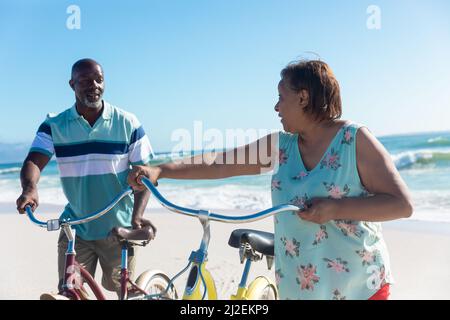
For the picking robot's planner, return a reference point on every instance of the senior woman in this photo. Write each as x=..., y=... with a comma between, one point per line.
x=336, y=172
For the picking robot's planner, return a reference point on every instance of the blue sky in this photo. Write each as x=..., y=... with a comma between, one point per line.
x=174, y=62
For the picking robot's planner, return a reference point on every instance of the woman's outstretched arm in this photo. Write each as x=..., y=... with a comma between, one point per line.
x=252, y=159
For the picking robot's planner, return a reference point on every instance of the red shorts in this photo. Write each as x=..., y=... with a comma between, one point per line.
x=382, y=294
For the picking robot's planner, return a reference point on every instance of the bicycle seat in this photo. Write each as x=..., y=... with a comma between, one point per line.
x=260, y=241
x=143, y=234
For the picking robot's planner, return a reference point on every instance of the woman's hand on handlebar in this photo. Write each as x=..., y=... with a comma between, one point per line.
x=135, y=175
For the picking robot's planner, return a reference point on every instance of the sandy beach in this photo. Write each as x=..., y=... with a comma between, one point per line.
x=420, y=255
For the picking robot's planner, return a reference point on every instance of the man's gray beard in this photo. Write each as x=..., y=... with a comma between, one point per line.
x=93, y=105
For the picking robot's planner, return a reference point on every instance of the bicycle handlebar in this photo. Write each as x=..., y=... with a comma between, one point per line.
x=214, y=216
x=54, y=224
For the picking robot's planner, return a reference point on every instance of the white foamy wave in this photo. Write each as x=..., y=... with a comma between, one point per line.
x=10, y=170
x=52, y=196
x=439, y=141
x=49, y=191
x=407, y=159
x=431, y=205
x=227, y=197
x=432, y=216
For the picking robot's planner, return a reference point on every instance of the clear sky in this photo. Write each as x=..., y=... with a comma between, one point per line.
x=174, y=62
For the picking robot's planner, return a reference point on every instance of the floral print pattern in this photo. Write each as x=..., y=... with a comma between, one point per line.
x=338, y=296
x=307, y=277
x=337, y=265
x=278, y=276
x=301, y=202
x=331, y=160
x=364, y=194
x=301, y=175
x=335, y=192
x=320, y=235
x=367, y=257
x=337, y=250
x=349, y=228
x=347, y=137
x=291, y=247
x=276, y=185
x=283, y=157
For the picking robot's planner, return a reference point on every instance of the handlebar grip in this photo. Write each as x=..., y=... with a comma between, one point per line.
x=28, y=209
x=33, y=218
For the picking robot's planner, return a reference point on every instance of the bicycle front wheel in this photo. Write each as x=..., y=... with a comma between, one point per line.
x=262, y=288
x=155, y=283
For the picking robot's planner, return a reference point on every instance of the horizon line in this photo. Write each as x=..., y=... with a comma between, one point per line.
x=377, y=136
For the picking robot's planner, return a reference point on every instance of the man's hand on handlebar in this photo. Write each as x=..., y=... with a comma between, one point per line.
x=143, y=223
x=28, y=197
x=135, y=175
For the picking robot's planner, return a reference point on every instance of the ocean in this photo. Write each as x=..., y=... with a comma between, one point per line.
x=423, y=161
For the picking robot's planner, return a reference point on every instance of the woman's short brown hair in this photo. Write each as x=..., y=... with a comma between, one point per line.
x=317, y=78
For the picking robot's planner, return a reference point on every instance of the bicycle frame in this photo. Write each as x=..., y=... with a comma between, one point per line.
x=74, y=272
x=199, y=274
x=198, y=269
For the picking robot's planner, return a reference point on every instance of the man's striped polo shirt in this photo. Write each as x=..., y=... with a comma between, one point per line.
x=94, y=163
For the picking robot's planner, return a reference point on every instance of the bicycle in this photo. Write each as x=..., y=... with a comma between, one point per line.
x=253, y=246
x=76, y=275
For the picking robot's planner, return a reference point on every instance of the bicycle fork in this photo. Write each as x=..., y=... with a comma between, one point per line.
x=74, y=274
x=124, y=271
x=199, y=276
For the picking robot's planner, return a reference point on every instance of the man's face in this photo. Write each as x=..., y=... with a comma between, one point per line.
x=88, y=84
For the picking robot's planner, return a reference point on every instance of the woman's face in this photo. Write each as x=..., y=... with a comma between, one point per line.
x=290, y=107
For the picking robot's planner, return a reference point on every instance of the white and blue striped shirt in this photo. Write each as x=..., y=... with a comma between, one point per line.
x=94, y=163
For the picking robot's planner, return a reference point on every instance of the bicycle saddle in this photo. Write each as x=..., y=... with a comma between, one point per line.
x=260, y=241
x=143, y=234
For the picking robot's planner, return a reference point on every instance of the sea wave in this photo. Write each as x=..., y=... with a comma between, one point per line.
x=431, y=204
x=434, y=142
x=408, y=159
x=225, y=196
x=10, y=170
